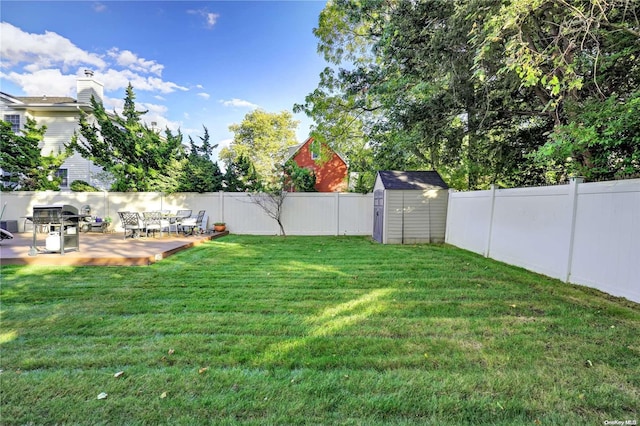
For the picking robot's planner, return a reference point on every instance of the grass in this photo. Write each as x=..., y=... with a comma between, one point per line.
x=313, y=330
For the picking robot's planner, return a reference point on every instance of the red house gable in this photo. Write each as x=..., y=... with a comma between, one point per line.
x=329, y=167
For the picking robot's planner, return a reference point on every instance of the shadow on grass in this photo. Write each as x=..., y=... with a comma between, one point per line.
x=326, y=324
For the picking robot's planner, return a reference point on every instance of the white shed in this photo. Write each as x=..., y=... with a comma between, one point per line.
x=409, y=207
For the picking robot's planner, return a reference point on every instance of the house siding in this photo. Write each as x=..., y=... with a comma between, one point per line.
x=60, y=129
x=61, y=118
x=331, y=176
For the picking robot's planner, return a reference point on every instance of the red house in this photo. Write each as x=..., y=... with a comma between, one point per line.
x=329, y=167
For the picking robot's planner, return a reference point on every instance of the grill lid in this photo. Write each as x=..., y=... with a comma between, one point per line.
x=54, y=213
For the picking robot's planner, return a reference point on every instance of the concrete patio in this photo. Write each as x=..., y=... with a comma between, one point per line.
x=98, y=249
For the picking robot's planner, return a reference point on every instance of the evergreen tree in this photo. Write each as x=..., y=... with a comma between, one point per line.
x=138, y=157
x=200, y=173
x=241, y=176
x=24, y=167
x=299, y=179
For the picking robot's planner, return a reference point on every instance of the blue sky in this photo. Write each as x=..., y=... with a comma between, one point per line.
x=191, y=63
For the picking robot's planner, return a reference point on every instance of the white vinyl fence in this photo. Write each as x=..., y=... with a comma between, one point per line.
x=586, y=234
x=302, y=214
x=583, y=233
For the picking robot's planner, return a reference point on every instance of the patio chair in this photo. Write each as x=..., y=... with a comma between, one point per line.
x=132, y=224
x=180, y=216
x=183, y=214
x=153, y=221
x=172, y=218
x=189, y=224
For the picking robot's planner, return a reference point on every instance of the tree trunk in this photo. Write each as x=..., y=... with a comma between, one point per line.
x=281, y=227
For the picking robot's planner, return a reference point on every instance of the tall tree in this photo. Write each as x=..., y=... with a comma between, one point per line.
x=473, y=88
x=200, y=173
x=565, y=50
x=241, y=176
x=602, y=141
x=339, y=119
x=139, y=158
x=21, y=160
x=582, y=60
x=263, y=139
x=402, y=57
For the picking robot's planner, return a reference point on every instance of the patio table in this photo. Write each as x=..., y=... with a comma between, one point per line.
x=173, y=219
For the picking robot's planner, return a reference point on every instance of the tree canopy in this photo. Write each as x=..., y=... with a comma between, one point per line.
x=138, y=157
x=262, y=138
x=200, y=173
x=484, y=91
x=241, y=176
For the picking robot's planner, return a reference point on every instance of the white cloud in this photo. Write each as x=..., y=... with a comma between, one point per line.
x=42, y=51
x=118, y=79
x=154, y=109
x=204, y=95
x=113, y=104
x=225, y=143
x=128, y=59
x=238, y=103
x=99, y=7
x=156, y=113
x=50, y=82
x=210, y=18
x=49, y=64
x=48, y=59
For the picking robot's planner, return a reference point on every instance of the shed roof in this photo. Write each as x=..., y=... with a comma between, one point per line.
x=393, y=179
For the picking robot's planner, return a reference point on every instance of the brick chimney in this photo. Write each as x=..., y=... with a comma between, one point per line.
x=87, y=86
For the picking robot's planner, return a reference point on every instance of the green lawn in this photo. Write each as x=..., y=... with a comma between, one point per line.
x=313, y=330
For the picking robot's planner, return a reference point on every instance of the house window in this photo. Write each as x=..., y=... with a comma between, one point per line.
x=14, y=119
x=62, y=173
x=314, y=148
x=6, y=180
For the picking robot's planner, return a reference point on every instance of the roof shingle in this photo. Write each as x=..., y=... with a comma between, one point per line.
x=45, y=99
x=393, y=179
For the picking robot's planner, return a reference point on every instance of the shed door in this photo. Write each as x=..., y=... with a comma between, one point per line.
x=378, y=214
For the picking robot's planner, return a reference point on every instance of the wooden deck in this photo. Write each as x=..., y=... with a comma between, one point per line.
x=100, y=250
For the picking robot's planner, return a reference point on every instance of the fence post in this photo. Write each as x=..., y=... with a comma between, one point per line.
x=107, y=206
x=447, y=228
x=573, y=206
x=337, y=195
x=487, y=252
x=220, y=206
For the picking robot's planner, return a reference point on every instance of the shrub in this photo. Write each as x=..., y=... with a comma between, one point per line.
x=82, y=186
